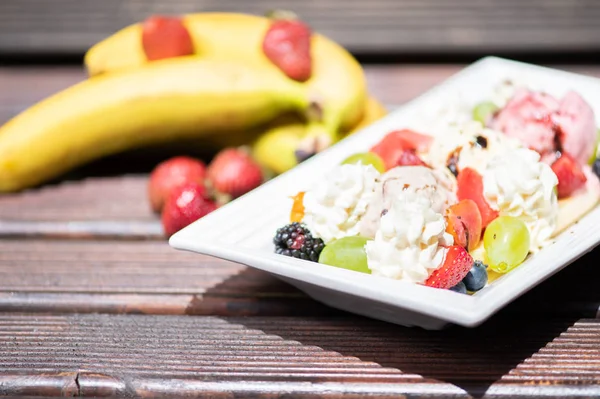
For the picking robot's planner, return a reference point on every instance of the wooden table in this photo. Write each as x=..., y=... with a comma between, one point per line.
x=94, y=302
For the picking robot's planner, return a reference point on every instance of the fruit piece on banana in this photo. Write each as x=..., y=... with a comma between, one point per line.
x=164, y=101
x=337, y=78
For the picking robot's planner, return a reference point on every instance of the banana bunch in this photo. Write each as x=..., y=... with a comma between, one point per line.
x=226, y=93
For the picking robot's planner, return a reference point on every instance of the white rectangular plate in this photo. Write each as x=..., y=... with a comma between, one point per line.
x=242, y=230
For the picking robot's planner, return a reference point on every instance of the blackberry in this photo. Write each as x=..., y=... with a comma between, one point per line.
x=296, y=240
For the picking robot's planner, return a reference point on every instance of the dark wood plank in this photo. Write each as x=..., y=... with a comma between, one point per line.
x=137, y=277
x=102, y=207
x=330, y=357
x=150, y=277
x=379, y=26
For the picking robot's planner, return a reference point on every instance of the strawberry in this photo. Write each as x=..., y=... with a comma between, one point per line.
x=470, y=186
x=186, y=204
x=456, y=266
x=287, y=45
x=165, y=37
x=409, y=158
x=234, y=172
x=170, y=174
x=569, y=174
x=394, y=146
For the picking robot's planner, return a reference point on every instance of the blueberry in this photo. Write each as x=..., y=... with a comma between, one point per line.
x=477, y=277
x=460, y=288
x=596, y=167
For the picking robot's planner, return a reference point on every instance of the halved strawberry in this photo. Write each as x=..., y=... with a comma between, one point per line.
x=165, y=37
x=457, y=264
x=569, y=173
x=392, y=148
x=470, y=186
x=464, y=224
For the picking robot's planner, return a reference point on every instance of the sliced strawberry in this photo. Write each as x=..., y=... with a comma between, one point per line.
x=569, y=174
x=287, y=45
x=165, y=37
x=470, y=186
x=392, y=148
x=464, y=224
x=457, y=264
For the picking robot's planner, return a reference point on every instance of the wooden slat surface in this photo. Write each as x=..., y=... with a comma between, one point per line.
x=388, y=26
x=150, y=277
x=213, y=328
x=283, y=357
x=137, y=277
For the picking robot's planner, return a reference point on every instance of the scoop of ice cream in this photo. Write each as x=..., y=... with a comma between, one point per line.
x=577, y=125
x=437, y=185
x=519, y=185
x=410, y=241
x=528, y=118
x=334, y=207
x=547, y=125
x=467, y=145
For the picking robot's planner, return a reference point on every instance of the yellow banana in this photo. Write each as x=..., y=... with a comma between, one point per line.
x=283, y=146
x=373, y=111
x=337, y=83
x=164, y=101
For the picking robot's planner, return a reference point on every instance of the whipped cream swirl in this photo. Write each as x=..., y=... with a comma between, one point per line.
x=518, y=184
x=470, y=144
x=333, y=208
x=409, y=243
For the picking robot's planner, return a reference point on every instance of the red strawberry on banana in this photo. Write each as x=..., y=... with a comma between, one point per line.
x=234, y=172
x=165, y=37
x=457, y=264
x=287, y=45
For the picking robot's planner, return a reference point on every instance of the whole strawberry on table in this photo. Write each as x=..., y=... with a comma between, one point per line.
x=183, y=189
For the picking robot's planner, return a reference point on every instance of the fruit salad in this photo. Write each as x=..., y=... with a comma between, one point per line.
x=456, y=207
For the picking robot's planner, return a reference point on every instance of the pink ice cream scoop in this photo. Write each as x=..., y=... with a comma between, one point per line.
x=527, y=117
x=546, y=125
x=577, y=127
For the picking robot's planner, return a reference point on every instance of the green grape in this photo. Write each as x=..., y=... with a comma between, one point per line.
x=347, y=253
x=366, y=158
x=506, y=241
x=483, y=111
x=596, y=145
